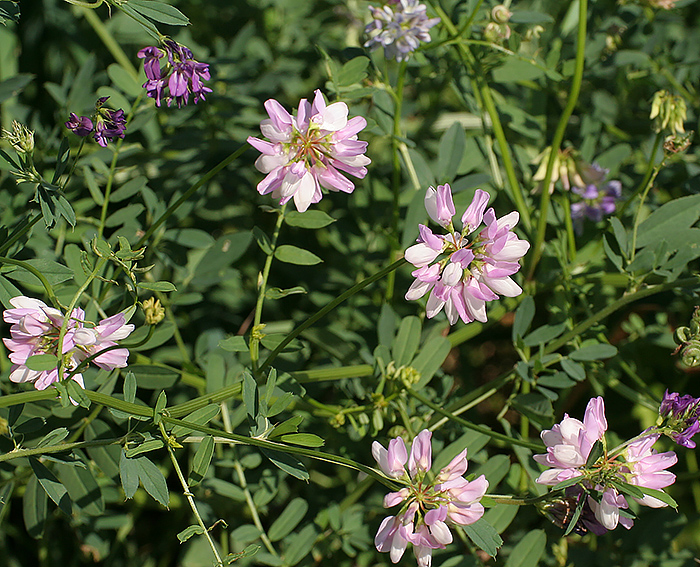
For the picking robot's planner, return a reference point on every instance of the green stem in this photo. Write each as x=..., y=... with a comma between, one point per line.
x=619, y=304
x=638, y=214
x=291, y=449
x=188, y=494
x=328, y=308
x=49, y=449
x=395, y=239
x=516, y=191
x=36, y=273
x=24, y=227
x=647, y=175
x=187, y=194
x=256, y=333
x=110, y=43
x=568, y=223
x=473, y=426
x=113, y=168
x=537, y=249
x=325, y=374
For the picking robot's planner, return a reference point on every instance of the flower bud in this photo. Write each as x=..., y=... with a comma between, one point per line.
x=21, y=138
x=153, y=310
x=500, y=14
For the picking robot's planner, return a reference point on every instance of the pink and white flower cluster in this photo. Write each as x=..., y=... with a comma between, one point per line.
x=309, y=151
x=471, y=271
x=427, y=506
x=36, y=328
x=569, y=445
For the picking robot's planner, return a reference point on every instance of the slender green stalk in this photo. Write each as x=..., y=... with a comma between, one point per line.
x=395, y=238
x=60, y=448
x=326, y=374
x=469, y=425
x=537, y=249
x=188, y=494
x=328, y=308
x=291, y=449
x=113, y=168
x=23, y=228
x=647, y=175
x=36, y=273
x=256, y=333
x=187, y=194
x=619, y=304
x=240, y=473
x=490, y=107
x=185, y=408
x=638, y=214
x=568, y=223
x=110, y=43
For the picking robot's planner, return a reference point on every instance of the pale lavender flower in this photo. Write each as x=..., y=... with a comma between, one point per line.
x=309, y=151
x=428, y=506
x=474, y=270
x=400, y=28
x=647, y=468
x=607, y=511
x=570, y=442
x=35, y=330
x=179, y=77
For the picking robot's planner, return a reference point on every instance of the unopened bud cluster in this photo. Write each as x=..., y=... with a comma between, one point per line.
x=668, y=110
x=688, y=340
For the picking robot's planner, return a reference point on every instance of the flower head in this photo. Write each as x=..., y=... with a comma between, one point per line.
x=474, y=270
x=180, y=76
x=428, y=506
x=105, y=125
x=400, y=28
x=682, y=414
x=595, y=202
x=36, y=330
x=21, y=138
x=309, y=151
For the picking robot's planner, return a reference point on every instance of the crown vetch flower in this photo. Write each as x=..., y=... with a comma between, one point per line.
x=181, y=75
x=474, y=270
x=427, y=506
x=309, y=151
x=400, y=28
x=636, y=463
x=35, y=330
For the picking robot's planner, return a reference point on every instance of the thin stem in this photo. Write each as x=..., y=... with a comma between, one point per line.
x=49, y=449
x=256, y=335
x=328, y=308
x=110, y=43
x=490, y=107
x=638, y=214
x=187, y=194
x=112, y=169
x=24, y=227
x=473, y=426
x=619, y=304
x=291, y=449
x=568, y=223
x=647, y=175
x=396, y=177
x=36, y=273
x=559, y=135
x=188, y=494
x=226, y=418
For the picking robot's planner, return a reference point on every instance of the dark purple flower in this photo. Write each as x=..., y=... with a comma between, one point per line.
x=682, y=413
x=111, y=124
x=79, y=125
x=181, y=76
x=595, y=202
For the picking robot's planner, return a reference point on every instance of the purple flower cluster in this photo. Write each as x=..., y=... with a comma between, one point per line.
x=309, y=151
x=596, y=201
x=427, y=505
x=475, y=270
x=569, y=445
x=399, y=29
x=36, y=329
x=181, y=75
x=108, y=124
x=682, y=413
